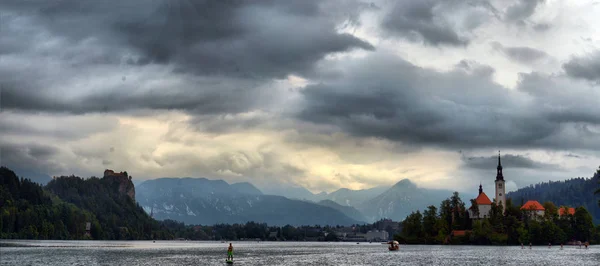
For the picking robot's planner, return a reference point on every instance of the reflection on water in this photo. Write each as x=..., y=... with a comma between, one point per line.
x=280, y=253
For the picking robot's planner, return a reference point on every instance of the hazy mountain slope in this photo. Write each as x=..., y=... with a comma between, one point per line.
x=347, y=210
x=348, y=197
x=246, y=188
x=400, y=200
x=291, y=192
x=203, y=201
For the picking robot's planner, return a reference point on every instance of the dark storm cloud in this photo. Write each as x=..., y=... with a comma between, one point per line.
x=425, y=20
x=415, y=20
x=508, y=161
x=222, y=97
x=60, y=127
x=584, y=67
x=541, y=27
x=572, y=155
x=522, y=54
x=562, y=100
x=235, y=43
x=522, y=10
x=385, y=96
x=31, y=156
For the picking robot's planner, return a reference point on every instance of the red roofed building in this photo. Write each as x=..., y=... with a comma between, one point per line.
x=459, y=232
x=484, y=206
x=533, y=209
x=562, y=210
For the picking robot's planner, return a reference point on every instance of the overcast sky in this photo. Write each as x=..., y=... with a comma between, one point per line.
x=323, y=94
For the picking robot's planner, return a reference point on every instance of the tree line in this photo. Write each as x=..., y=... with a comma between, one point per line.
x=572, y=192
x=450, y=224
x=512, y=226
x=262, y=231
x=62, y=209
x=66, y=205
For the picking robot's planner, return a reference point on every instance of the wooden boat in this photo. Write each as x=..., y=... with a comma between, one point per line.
x=394, y=246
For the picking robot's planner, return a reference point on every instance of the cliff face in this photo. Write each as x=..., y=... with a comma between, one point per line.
x=122, y=182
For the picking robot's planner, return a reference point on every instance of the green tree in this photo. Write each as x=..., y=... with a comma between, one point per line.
x=597, y=177
x=446, y=214
x=482, y=230
x=458, y=212
x=551, y=211
x=523, y=235
x=583, y=224
x=412, y=228
x=430, y=219
x=496, y=218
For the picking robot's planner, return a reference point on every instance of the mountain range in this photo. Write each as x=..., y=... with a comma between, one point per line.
x=400, y=200
x=204, y=201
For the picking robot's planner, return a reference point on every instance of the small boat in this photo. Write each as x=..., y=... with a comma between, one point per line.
x=394, y=246
x=229, y=261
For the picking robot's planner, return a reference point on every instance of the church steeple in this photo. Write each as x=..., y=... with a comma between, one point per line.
x=499, y=175
x=480, y=189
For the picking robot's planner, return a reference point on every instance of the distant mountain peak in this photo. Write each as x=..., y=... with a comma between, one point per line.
x=405, y=183
x=246, y=188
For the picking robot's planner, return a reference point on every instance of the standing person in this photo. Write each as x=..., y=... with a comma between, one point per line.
x=529, y=245
x=230, y=252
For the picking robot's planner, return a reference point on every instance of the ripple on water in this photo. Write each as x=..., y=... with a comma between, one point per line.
x=280, y=253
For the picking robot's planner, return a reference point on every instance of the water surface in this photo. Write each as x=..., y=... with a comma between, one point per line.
x=134, y=253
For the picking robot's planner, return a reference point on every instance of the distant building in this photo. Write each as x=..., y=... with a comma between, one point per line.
x=385, y=223
x=88, y=229
x=377, y=235
x=564, y=211
x=484, y=206
x=273, y=235
x=109, y=172
x=533, y=209
x=456, y=233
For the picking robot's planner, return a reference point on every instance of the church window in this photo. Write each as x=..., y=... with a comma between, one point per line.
x=499, y=185
x=500, y=194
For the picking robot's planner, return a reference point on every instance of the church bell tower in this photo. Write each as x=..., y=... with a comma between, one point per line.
x=500, y=187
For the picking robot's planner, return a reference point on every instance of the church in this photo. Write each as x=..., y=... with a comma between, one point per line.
x=484, y=204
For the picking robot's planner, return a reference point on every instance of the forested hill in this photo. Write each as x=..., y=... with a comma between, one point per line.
x=62, y=208
x=573, y=193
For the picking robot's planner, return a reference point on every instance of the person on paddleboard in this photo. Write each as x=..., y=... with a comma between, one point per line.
x=230, y=252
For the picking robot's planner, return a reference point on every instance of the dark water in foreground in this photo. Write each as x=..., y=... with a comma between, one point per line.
x=278, y=253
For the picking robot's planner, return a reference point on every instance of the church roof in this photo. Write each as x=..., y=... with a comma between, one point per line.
x=460, y=232
x=483, y=199
x=532, y=205
x=561, y=211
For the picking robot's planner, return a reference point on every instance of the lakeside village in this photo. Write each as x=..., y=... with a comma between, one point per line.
x=485, y=222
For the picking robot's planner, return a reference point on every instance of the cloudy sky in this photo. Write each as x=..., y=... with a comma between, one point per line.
x=323, y=94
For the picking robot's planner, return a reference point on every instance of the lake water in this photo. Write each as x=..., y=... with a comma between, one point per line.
x=132, y=253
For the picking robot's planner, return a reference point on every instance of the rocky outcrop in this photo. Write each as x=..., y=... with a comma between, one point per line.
x=122, y=181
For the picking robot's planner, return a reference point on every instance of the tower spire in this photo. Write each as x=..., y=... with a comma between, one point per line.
x=499, y=175
x=499, y=163
x=480, y=188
